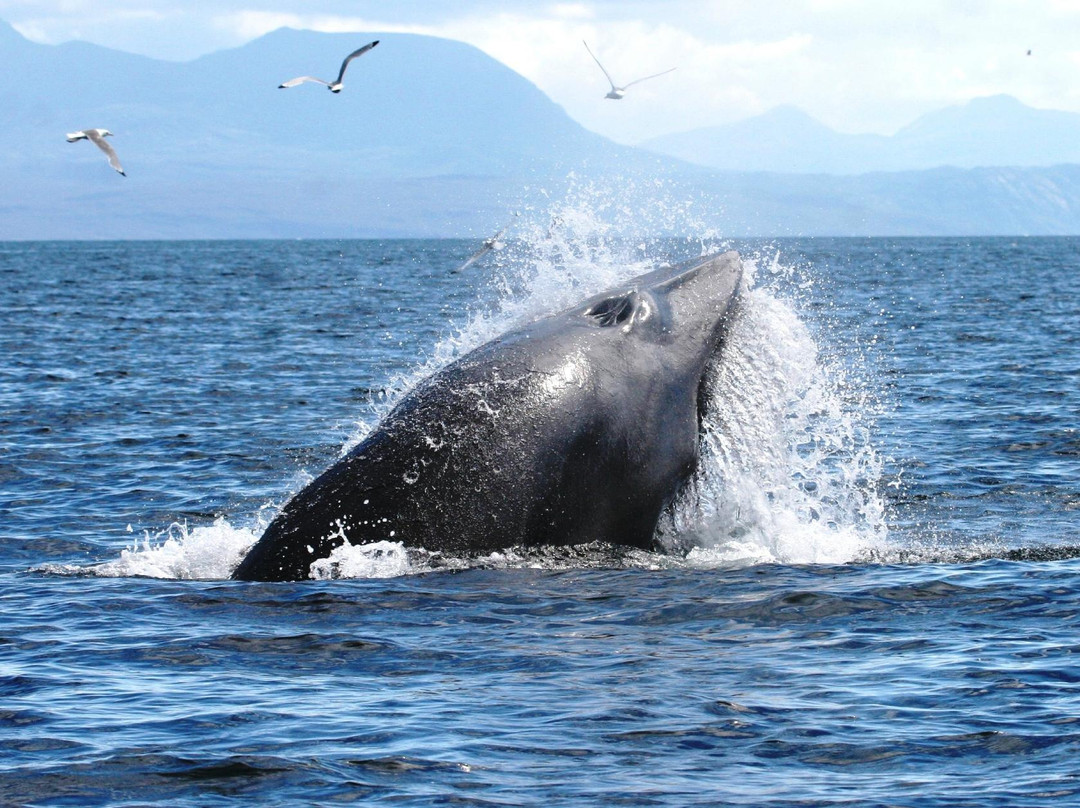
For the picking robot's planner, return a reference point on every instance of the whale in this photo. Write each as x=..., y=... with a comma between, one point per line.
x=580, y=426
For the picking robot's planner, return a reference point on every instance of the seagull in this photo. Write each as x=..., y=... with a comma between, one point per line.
x=618, y=92
x=486, y=246
x=97, y=137
x=338, y=83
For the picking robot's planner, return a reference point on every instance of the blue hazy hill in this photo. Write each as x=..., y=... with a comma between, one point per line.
x=432, y=137
x=784, y=139
x=992, y=131
x=414, y=106
x=429, y=137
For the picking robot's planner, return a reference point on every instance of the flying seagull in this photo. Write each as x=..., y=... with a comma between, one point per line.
x=338, y=83
x=97, y=137
x=618, y=92
x=486, y=246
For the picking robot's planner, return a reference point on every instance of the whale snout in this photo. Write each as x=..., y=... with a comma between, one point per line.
x=716, y=277
x=699, y=296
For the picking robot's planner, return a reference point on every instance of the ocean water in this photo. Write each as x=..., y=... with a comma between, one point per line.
x=870, y=598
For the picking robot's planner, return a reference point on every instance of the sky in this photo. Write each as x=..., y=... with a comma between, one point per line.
x=856, y=65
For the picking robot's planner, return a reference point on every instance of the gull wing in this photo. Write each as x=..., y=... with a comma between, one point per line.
x=99, y=141
x=487, y=246
x=301, y=80
x=653, y=76
x=353, y=55
x=494, y=240
x=476, y=256
x=74, y=136
x=606, y=74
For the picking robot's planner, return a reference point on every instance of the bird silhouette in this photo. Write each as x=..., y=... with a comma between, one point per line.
x=336, y=85
x=97, y=137
x=617, y=92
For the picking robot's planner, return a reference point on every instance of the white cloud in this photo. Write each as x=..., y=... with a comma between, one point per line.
x=249, y=24
x=550, y=53
x=572, y=11
x=253, y=24
x=54, y=29
x=856, y=65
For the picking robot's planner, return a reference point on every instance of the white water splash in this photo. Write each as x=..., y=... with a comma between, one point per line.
x=560, y=254
x=381, y=559
x=208, y=552
x=787, y=472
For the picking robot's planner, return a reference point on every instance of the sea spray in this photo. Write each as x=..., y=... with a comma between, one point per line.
x=204, y=552
x=594, y=237
x=787, y=470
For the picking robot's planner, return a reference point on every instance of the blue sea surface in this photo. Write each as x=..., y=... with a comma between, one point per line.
x=889, y=616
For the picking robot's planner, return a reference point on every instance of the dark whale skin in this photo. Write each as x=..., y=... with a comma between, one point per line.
x=578, y=427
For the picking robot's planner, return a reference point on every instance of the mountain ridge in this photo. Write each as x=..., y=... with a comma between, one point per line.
x=996, y=130
x=429, y=138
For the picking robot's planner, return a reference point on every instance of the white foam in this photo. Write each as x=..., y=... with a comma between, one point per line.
x=207, y=552
x=381, y=559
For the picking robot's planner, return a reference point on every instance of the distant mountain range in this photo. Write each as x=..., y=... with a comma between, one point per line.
x=431, y=137
x=993, y=131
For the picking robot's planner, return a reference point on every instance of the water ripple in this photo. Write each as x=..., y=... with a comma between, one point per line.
x=937, y=669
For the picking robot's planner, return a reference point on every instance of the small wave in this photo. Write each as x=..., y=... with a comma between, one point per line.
x=970, y=553
x=208, y=552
